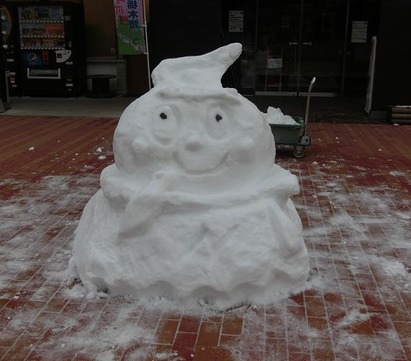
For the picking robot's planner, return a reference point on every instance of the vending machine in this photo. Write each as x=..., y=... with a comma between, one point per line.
x=51, y=49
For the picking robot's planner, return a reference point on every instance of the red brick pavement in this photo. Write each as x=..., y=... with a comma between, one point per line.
x=355, y=205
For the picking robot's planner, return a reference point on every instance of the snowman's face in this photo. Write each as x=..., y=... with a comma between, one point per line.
x=198, y=133
x=200, y=136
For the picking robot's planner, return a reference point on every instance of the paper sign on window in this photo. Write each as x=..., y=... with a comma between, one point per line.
x=274, y=63
x=359, y=31
x=236, y=21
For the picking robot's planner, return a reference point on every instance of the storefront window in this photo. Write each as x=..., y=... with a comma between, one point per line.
x=288, y=42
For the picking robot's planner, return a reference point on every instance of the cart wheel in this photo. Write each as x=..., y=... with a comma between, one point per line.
x=298, y=152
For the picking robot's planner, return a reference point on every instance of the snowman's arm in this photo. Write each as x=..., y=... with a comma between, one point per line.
x=115, y=187
x=144, y=207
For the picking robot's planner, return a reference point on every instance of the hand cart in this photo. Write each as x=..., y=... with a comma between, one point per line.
x=295, y=135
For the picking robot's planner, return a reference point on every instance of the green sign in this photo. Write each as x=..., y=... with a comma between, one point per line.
x=130, y=26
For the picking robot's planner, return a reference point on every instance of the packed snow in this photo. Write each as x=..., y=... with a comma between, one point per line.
x=277, y=117
x=193, y=208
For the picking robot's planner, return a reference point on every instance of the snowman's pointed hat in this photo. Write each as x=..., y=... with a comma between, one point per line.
x=196, y=72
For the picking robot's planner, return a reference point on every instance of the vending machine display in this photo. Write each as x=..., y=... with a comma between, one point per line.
x=51, y=49
x=8, y=30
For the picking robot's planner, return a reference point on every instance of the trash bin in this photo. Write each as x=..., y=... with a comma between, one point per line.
x=100, y=86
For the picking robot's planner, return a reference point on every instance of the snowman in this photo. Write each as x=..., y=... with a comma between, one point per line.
x=194, y=206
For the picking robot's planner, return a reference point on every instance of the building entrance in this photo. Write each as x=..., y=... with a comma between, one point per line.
x=296, y=40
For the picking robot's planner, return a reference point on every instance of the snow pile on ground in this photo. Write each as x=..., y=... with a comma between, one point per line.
x=193, y=208
x=276, y=116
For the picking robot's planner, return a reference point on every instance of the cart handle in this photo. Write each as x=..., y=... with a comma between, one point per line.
x=307, y=107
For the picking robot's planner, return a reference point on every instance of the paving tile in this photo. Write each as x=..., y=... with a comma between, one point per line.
x=189, y=324
x=166, y=332
x=300, y=357
x=397, y=311
x=55, y=304
x=403, y=329
x=298, y=343
x=407, y=351
x=83, y=357
x=7, y=338
x=322, y=351
x=381, y=322
x=275, y=326
x=187, y=340
x=298, y=312
x=346, y=351
x=213, y=317
x=363, y=327
x=373, y=301
x=205, y=353
x=319, y=324
x=41, y=324
x=209, y=334
x=350, y=289
x=134, y=351
x=314, y=307
x=406, y=298
x=228, y=340
x=298, y=299
x=160, y=352
x=169, y=315
x=232, y=325
x=276, y=349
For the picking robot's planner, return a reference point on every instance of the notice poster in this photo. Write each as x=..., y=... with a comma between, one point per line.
x=236, y=21
x=129, y=23
x=274, y=63
x=359, y=31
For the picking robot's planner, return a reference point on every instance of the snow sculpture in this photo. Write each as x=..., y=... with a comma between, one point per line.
x=194, y=206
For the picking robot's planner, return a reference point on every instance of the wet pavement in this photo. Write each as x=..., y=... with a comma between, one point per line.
x=355, y=205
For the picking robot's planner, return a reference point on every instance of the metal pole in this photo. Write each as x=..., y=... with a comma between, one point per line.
x=344, y=60
x=3, y=85
x=147, y=50
x=300, y=46
x=256, y=26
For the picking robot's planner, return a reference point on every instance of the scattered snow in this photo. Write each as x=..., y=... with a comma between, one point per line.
x=383, y=219
x=397, y=173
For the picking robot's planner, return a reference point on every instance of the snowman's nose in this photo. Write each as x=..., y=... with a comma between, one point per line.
x=194, y=142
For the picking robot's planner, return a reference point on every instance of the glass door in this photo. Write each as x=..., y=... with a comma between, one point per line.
x=297, y=40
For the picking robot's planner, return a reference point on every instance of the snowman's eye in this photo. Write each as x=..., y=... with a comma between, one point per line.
x=164, y=124
x=218, y=124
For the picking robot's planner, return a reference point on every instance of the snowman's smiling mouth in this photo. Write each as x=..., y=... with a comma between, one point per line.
x=201, y=163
